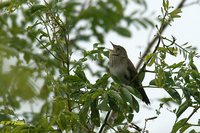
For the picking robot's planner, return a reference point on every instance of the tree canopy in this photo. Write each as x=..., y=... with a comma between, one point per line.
x=43, y=41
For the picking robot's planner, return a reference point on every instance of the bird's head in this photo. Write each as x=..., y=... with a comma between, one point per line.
x=118, y=50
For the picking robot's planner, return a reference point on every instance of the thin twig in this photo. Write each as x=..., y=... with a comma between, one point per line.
x=105, y=122
x=194, y=111
x=172, y=41
x=151, y=43
x=146, y=120
x=47, y=49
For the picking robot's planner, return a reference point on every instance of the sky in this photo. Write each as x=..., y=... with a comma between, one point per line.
x=185, y=29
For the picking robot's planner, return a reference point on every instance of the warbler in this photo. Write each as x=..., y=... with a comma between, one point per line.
x=124, y=71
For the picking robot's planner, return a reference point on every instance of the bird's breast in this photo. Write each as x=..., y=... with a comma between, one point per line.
x=118, y=68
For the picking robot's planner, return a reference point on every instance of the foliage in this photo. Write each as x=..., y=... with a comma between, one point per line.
x=44, y=40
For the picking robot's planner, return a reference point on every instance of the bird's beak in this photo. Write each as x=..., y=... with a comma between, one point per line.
x=113, y=45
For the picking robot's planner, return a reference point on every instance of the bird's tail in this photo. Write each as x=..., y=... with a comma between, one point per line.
x=144, y=95
x=142, y=92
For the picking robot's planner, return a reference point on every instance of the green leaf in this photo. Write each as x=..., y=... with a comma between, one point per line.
x=151, y=57
x=104, y=105
x=193, y=131
x=43, y=34
x=193, y=66
x=130, y=117
x=187, y=94
x=175, y=13
x=113, y=105
x=123, y=31
x=37, y=8
x=80, y=73
x=185, y=127
x=166, y=5
x=141, y=75
x=136, y=105
x=4, y=4
x=126, y=95
x=102, y=82
x=173, y=93
x=141, y=22
x=120, y=118
x=152, y=82
x=178, y=125
x=95, y=117
x=182, y=108
x=177, y=65
x=115, y=95
x=83, y=114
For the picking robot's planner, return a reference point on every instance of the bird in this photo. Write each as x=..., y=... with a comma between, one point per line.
x=123, y=70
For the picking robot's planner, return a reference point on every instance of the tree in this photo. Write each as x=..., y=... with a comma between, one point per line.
x=42, y=39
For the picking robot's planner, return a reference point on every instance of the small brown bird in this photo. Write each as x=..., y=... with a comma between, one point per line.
x=124, y=71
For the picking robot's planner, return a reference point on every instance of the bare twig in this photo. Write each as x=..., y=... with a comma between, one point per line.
x=105, y=122
x=146, y=120
x=194, y=111
x=136, y=127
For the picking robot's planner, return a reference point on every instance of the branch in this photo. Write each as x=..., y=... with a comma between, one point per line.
x=151, y=43
x=47, y=49
x=152, y=118
x=194, y=111
x=105, y=122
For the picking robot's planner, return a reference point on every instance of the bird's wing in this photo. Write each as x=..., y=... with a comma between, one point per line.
x=134, y=82
x=132, y=71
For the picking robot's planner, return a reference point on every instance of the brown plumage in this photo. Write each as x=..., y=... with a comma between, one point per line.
x=123, y=69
